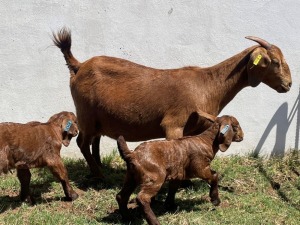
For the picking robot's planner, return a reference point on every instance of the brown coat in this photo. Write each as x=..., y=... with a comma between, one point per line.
x=116, y=97
x=35, y=144
x=152, y=163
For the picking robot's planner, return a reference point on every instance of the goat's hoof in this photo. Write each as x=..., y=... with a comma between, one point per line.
x=216, y=202
x=74, y=196
x=28, y=200
x=70, y=198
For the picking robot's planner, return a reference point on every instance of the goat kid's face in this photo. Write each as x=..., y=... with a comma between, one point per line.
x=229, y=131
x=68, y=124
x=269, y=66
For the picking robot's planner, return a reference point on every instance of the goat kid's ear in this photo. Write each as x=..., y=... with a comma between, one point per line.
x=225, y=137
x=257, y=66
x=66, y=133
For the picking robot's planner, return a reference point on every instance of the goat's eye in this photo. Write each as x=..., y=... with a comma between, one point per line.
x=276, y=62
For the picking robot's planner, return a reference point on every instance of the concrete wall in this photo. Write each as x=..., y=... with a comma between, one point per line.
x=162, y=34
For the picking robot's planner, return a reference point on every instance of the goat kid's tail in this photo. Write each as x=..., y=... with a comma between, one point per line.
x=123, y=149
x=63, y=41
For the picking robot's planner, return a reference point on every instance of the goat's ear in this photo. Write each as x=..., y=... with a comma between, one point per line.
x=225, y=137
x=66, y=132
x=257, y=66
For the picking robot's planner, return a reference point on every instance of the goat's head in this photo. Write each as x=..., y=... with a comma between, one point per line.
x=229, y=131
x=268, y=65
x=67, y=122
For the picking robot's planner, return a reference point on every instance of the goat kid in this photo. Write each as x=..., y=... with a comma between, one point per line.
x=152, y=163
x=114, y=96
x=35, y=144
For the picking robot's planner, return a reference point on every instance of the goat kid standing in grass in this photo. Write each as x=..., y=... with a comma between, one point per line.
x=35, y=145
x=114, y=96
x=152, y=163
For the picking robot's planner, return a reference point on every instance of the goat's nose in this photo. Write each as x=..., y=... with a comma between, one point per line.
x=290, y=84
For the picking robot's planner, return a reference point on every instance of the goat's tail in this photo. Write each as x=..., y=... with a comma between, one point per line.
x=63, y=41
x=123, y=149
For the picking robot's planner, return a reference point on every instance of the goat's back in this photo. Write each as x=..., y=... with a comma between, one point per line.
x=128, y=99
x=26, y=137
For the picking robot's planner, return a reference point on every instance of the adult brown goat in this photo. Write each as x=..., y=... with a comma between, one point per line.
x=116, y=97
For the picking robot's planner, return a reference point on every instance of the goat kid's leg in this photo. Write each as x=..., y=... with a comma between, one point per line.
x=212, y=178
x=83, y=143
x=24, y=177
x=96, y=150
x=58, y=169
x=170, y=200
x=144, y=200
x=214, y=192
x=123, y=196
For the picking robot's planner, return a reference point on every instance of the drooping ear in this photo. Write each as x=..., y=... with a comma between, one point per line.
x=225, y=136
x=257, y=66
x=66, y=134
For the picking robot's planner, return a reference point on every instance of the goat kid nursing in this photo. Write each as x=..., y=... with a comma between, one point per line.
x=154, y=162
x=35, y=144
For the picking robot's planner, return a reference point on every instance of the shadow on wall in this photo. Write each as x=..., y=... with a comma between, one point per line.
x=282, y=120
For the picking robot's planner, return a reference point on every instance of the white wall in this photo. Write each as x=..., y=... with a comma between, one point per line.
x=162, y=34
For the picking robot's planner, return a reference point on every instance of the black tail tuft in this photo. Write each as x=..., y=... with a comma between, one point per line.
x=62, y=39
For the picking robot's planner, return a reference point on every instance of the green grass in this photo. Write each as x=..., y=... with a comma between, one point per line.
x=253, y=190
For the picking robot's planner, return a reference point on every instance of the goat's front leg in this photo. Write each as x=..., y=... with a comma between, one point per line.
x=170, y=200
x=58, y=169
x=24, y=177
x=212, y=178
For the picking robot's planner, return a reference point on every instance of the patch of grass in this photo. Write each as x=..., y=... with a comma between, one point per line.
x=253, y=190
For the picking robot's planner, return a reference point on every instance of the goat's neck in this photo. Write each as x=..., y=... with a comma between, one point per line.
x=57, y=132
x=229, y=78
x=210, y=137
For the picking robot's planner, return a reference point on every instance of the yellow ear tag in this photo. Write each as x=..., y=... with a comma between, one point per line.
x=258, y=58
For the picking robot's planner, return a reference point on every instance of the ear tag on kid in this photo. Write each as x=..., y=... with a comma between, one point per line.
x=258, y=58
x=68, y=126
x=225, y=129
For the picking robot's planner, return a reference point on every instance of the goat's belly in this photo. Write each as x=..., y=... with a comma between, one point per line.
x=132, y=132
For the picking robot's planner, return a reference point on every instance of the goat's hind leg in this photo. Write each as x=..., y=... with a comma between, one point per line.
x=83, y=143
x=96, y=150
x=123, y=196
x=144, y=200
x=24, y=177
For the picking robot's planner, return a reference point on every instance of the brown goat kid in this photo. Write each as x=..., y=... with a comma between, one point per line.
x=114, y=96
x=35, y=144
x=152, y=163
